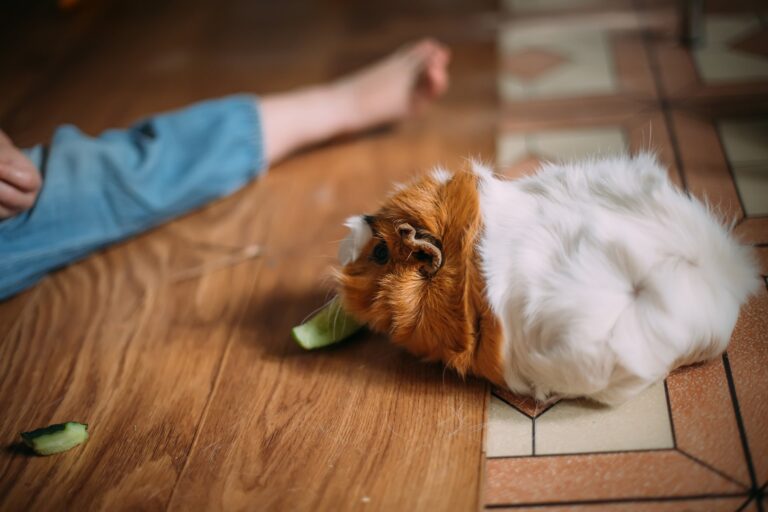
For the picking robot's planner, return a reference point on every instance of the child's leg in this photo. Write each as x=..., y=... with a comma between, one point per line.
x=98, y=190
x=387, y=91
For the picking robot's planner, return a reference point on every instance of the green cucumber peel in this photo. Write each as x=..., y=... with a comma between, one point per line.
x=328, y=326
x=56, y=438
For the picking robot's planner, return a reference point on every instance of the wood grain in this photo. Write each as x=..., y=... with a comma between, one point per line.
x=196, y=396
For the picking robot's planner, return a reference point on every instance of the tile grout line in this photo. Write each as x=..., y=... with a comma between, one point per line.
x=742, y=430
x=663, y=104
x=729, y=165
x=581, y=454
x=744, y=505
x=713, y=469
x=669, y=415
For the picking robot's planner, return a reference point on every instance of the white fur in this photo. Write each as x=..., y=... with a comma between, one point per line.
x=606, y=277
x=359, y=235
x=441, y=175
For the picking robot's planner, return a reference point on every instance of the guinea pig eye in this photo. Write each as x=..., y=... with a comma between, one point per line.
x=380, y=253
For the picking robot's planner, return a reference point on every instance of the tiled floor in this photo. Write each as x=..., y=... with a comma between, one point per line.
x=590, y=77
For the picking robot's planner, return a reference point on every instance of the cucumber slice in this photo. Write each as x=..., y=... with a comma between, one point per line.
x=330, y=325
x=56, y=438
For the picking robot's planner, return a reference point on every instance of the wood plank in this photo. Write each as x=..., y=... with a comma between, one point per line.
x=362, y=423
x=194, y=391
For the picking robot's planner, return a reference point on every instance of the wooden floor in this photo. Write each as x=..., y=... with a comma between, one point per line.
x=195, y=394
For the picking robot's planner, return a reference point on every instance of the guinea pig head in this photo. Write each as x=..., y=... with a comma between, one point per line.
x=411, y=270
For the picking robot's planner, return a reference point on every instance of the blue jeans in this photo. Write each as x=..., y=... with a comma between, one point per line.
x=98, y=190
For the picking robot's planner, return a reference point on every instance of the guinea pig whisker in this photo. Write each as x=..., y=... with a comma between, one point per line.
x=335, y=321
x=315, y=311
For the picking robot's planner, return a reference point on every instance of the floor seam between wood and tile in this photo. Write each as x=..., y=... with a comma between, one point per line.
x=637, y=499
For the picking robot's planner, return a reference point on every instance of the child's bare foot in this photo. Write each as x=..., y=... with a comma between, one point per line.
x=19, y=179
x=398, y=86
x=384, y=92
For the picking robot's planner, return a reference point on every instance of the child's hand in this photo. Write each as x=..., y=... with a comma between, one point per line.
x=19, y=179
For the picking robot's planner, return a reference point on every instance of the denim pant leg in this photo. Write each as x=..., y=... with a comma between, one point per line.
x=99, y=190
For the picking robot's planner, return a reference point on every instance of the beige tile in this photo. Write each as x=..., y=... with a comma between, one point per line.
x=719, y=60
x=752, y=182
x=509, y=432
x=575, y=144
x=581, y=78
x=510, y=88
x=579, y=61
x=745, y=141
x=521, y=6
x=509, y=149
x=576, y=426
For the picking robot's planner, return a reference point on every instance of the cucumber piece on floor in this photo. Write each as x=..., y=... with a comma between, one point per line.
x=56, y=438
x=330, y=325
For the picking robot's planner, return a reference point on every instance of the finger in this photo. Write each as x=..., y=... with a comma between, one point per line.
x=14, y=199
x=5, y=212
x=22, y=175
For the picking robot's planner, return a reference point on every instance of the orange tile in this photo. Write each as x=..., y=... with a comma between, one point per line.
x=704, y=418
x=762, y=258
x=633, y=70
x=748, y=358
x=523, y=167
x=753, y=231
x=525, y=404
x=650, y=132
x=607, y=476
x=704, y=164
x=705, y=505
x=681, y=80
x=531, y=63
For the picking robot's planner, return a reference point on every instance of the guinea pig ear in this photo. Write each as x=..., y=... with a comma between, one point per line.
x=359, y=235
x=426, y=248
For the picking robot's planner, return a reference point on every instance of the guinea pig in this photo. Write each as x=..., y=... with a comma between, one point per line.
x=589, y=279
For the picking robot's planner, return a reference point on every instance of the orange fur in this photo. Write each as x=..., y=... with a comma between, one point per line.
x=438, y=316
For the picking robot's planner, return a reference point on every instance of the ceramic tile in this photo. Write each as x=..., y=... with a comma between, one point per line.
x=704, y=419
x=752, y=182
x=745, y=141
x=578, y=143
x=753, y=231
x=510, y=148
x=532, y=63
x=704, y=163
x=748, y=358
x=607, y=476
x=517, y=6
x=746, y=147
x=555, y=60
x=762, y=258
x=578, y=426
x=721, y=59
x=525, y=404
x=508, y=432
x=700, y=505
